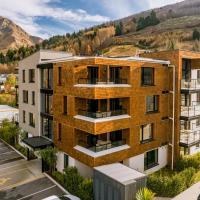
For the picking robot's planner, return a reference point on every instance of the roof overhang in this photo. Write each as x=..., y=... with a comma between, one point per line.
x=37, y=143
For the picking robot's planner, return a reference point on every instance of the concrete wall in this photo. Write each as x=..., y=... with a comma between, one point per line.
x=137, y=162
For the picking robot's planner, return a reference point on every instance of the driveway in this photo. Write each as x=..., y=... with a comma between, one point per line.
x=35, y=190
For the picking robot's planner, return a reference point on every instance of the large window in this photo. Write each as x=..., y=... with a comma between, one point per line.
x=147, y=76
x=146, y=133
x=25, y=96
x=47, y=128
x=31, y=75
x=33, y=98
x=152, y=103
x=31, y=119
x=66, y=160
x=47, y=78
x=46, y=103
x=150, y=159
x=23, y=76
x=65, y=104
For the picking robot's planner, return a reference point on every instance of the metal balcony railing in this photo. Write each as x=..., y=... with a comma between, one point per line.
x=102, y=145
x=102, y=81
x=189, y=137
x=190, y=111
x=99, y=114
x=192, y=84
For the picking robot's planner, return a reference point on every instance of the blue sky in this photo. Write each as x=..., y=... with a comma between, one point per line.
x=45, y=18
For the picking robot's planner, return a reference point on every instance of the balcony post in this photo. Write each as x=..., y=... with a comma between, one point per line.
x=108, y=73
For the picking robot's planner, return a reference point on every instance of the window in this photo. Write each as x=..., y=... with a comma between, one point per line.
x=59, y=132
x=198, y=122
x=59, y=75
x=66, y=160
x=23, y=76
x=147, y=76
x=150, y=159
x=152, y=103
x=31, y=75
x=31, y=120
x=146, y=133
x=47, y=127
x=47, y=103
x=25, y=96
x=65, y=104
x=24, y=116
x=47, y=78
x=33, y=98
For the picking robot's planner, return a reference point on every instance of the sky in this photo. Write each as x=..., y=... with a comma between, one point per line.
x=45, y=18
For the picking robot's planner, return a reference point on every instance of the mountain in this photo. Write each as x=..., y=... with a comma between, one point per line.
x=167, y=27
x=13, y=36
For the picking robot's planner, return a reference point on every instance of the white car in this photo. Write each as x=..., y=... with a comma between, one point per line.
x=64, y=197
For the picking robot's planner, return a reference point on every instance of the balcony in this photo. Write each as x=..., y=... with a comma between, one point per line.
x=190, y=111
x=193, y=84
x=99, y=114
x=189, y=137
x=98, y=145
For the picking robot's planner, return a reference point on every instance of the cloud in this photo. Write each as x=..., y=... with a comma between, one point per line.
x=26, y=12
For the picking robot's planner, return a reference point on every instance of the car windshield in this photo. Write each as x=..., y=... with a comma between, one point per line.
x=64, y=198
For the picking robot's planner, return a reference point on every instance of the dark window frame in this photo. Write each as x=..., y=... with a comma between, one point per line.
x=59, y=132
x=155, y=102
x=31, y=75
x=65, y=100
x=148, y=163
x=59, y=75
x=46, y=103
x=145, y=82
x=23, y=76
x=142, y=140
x=66, y=160
x=49, y=123
x=31, y=120
x=25, y=96
x=49, y=74
x=33, y=97
x=24, y=116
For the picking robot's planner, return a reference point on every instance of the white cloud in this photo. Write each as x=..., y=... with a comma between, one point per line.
x=24, y=13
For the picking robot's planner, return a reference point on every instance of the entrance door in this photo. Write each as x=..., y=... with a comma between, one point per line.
x=92, y=75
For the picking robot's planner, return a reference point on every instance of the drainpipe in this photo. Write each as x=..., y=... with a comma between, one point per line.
x=173, y=116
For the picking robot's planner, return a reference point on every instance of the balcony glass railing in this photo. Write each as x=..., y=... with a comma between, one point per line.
x=99, y=114
x=190, y=111
x=190, y=84
x=189, y=137
x=102, y=81
x=102, y=145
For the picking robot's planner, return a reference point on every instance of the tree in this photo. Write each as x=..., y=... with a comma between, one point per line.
x=11, y=80
x=145, y=194
x=49, y=157
x=196, y=35
x=118, y=29
x=2, y=58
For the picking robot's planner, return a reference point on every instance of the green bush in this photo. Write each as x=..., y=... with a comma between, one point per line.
x=145, y=194
x=187, y=176
x=73, y=182
x=196, y=178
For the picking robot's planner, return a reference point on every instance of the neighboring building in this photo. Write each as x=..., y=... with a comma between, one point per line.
x=100, y=110
x=187, y=112
x=29, y=98
x=3, y=78
x=8, y=112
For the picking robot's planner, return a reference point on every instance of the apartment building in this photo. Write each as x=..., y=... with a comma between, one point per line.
x=107, y=110
x=29, y=90
x=187, y=101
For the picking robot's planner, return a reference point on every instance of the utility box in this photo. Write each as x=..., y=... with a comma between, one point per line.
x=117, y=182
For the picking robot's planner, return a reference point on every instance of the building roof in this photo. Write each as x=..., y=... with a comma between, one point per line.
x=120, y=173
x=6, y=108
x=123, y=58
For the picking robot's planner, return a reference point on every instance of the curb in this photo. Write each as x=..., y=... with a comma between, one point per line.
x=14, y=149
x=56, y=183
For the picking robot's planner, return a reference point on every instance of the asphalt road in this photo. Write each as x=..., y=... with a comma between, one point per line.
x=35, y=190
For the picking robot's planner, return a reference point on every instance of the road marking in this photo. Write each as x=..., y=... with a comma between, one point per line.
x=3, y=180
x=37, y=192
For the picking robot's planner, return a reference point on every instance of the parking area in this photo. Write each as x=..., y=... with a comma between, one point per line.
x=7, y=154
x=35, y=190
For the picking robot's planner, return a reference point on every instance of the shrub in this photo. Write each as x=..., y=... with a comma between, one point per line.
x=85, y=191
x=145, y=194
x=59, y=177
x=196, y=178
x=187, y=176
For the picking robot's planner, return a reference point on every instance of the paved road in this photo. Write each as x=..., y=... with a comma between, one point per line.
x=7, y=154
x=35, y=190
